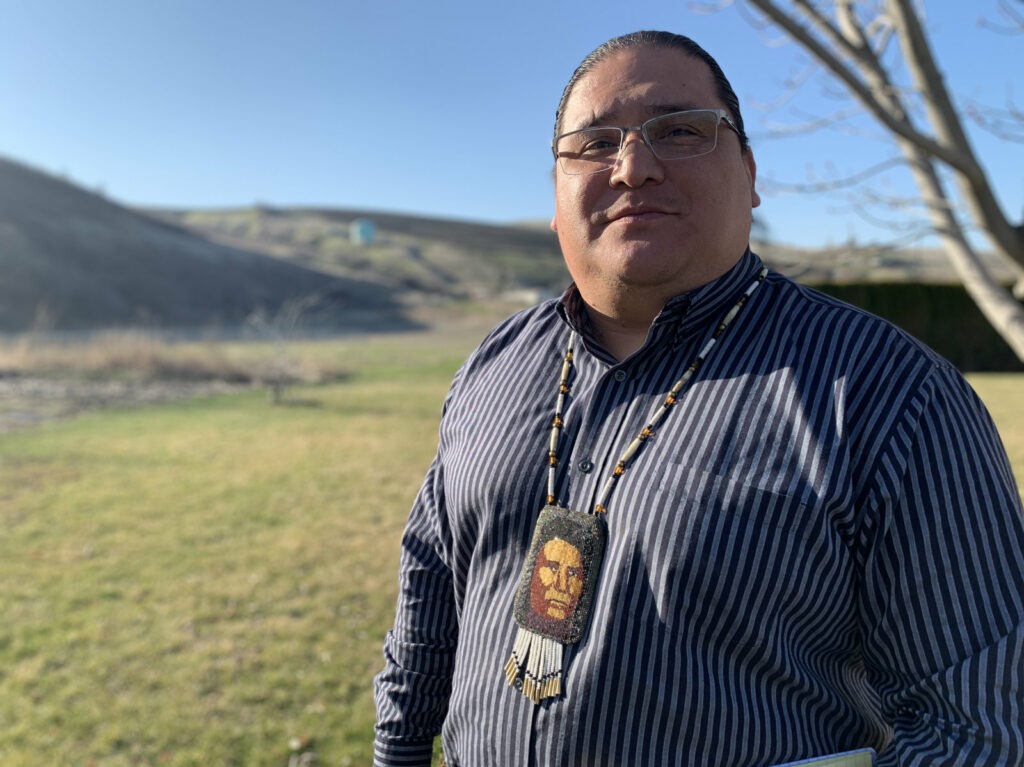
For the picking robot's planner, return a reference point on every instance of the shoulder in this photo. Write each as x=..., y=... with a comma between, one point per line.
x=520, y=334
x=877, y=374
x=833, y=331
x=516, y=345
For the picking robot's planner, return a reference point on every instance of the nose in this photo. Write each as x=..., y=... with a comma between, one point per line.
x=636, y=164
x=563, y=579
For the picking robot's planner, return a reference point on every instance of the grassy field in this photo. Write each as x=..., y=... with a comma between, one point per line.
x=205, y=582
x=208, y=582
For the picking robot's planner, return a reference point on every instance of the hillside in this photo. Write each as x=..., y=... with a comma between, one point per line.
x=72, y=260
x=424, y=259
x=457, y=266
x=435, y=258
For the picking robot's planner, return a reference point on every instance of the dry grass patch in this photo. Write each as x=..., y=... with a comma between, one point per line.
x=139, y=355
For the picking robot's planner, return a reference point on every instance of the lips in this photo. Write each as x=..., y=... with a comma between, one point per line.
x=636, y=213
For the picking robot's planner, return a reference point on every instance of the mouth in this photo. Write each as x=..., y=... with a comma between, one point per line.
x=635, y=214
x=559, y=610
x=555, y=600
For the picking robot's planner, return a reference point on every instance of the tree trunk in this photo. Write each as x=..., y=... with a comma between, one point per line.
x=846, y=50
x=1000, y=308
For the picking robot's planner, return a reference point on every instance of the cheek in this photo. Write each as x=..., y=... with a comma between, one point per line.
x=576, y=234
x=562, y=221
x=576, y=586
x=575, y=199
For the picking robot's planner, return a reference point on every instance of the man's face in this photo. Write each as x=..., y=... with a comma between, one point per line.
x=647, y=227
x=557, y=580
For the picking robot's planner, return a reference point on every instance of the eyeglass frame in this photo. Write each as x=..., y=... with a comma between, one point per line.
x=624, y=130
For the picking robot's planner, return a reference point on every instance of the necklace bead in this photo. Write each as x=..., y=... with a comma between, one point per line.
x=564, y=390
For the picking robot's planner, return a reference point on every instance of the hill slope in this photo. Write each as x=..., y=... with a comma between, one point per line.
x=426, y=259
x=70, y=259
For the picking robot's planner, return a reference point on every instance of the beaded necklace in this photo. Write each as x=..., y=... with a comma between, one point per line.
x=647, y=431
x=559, y=576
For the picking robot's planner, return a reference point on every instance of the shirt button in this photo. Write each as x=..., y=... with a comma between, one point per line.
x=620, y=375
x=585, y=466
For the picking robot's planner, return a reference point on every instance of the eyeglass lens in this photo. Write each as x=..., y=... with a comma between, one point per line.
x=671, y=137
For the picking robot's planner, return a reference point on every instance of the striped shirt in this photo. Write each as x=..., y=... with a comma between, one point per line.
x=820, y=549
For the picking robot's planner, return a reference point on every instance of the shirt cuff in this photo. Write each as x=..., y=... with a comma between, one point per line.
x=388, y=753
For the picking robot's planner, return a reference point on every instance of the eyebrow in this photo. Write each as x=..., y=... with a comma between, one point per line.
x=651, y=110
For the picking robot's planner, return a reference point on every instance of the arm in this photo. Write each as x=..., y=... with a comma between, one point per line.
x=943, y=595
x=411, y=693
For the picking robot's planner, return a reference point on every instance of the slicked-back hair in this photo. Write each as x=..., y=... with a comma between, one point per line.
x=652, y=39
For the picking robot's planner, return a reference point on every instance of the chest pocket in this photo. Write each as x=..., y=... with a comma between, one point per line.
x=722, y=552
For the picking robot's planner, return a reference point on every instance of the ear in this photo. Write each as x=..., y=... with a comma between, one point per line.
x=748, y=159
x=554, y=224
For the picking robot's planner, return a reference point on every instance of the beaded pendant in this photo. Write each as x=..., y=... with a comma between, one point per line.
x=552, y=603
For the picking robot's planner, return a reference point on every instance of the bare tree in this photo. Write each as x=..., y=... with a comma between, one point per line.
x=283, y=369
x=862, y=43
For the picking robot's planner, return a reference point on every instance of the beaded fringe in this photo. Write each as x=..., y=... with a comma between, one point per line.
x=538, y=660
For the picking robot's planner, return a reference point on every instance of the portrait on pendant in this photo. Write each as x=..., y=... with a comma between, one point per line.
x=557, y=583
x=557, y=580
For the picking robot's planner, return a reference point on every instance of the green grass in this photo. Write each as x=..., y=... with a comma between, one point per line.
x=200, y=583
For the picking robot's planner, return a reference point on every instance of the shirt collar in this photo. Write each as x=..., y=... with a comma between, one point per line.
x=707, y=303
x=695, y=307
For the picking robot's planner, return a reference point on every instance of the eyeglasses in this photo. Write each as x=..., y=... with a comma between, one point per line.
x=675, y=136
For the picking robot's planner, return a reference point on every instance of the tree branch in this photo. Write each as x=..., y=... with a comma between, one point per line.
x=835, y=185
x=809, y=124
x=899, y=123
x=943, y=116
x=1004, y=124
x=1016, y=20
x=853, y=55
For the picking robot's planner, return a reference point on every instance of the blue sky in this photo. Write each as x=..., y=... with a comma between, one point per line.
x=439, y=108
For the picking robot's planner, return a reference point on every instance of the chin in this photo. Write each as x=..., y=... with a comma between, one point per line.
x=650, y=265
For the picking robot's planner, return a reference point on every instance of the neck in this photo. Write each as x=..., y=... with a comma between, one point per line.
x=621, y=334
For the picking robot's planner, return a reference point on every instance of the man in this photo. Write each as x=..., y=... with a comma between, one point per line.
x=812, y=541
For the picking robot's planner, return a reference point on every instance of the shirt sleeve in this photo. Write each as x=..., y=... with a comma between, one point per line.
x=411, y=693
x=943, y=592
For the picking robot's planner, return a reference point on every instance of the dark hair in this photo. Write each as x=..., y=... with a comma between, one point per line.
x=664, y=40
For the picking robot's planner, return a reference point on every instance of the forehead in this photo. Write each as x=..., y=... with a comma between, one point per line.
x=637, y=83
x=559, y=550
